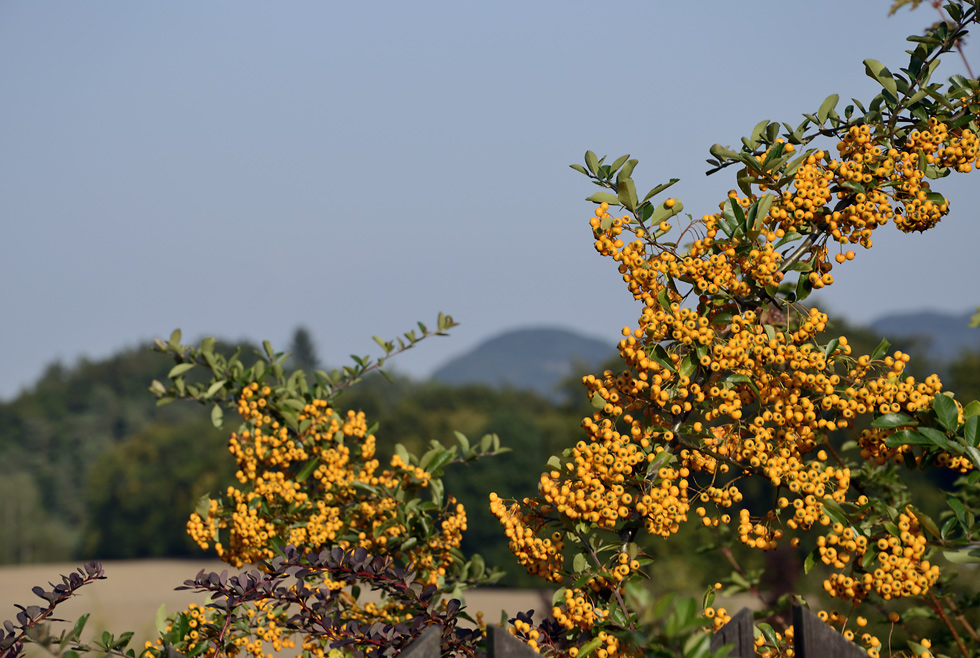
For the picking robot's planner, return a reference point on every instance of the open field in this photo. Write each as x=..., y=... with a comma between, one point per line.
x=127, y=600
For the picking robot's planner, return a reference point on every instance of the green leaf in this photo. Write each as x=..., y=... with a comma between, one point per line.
x=831, y=346
x=688, y=366
x=618, y=162
x=810, y=560
x=464, y=443
x=80, y=624
x=663, y=213
x=940, y=440
x=970, y=434
x=759, y=211
x=926, y=522
x=879, y=72
x=958, y=509
x=580, y=169
x=829, y=103
x=881, y=349
x=591, y=162
x=757, y=132
x=179, y=369
x=580, y=563
x=627, y=170
x=437, y=490
x=889, y=421
x=663, y=186
x=215, y=387
x=907, y=438
x=598, y=402
x=963, y=557
x=589, y=647
x=217, y=416
x=722, y=152
x=307, y=469
x=627, y=194
x=659, y=354
x=604, y=197
x=946, y=412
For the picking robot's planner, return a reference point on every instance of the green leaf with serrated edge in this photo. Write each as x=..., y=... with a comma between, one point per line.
x=604, y=197
x=179, y=369
x=660, y=188
x=627, y=194
x=591, y=162
x=889, y=421
x=946, y=412
x=881, y=349
x=829, y=103
x=907, y=438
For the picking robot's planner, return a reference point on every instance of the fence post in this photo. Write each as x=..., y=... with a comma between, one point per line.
x=813, y=638
x=426, y=645
x=501, y=644
x=737, y=631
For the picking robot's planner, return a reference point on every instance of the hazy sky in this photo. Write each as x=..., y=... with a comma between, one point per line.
x=240, y=168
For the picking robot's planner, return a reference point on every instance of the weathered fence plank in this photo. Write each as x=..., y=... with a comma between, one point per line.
x=426, y=645
x=737, y=631
x=815, y=639
x=501, y=644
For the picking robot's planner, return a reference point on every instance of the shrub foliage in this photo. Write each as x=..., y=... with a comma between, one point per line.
x=728, y=385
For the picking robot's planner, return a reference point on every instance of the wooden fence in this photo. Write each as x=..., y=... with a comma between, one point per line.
x=812, y=638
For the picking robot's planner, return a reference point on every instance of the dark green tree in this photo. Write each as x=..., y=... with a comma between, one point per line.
x=302, y=351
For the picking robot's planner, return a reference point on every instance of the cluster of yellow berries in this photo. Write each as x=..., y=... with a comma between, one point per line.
x=523, y=523
x=725, y=384
x=264, y=625
x=327, y=507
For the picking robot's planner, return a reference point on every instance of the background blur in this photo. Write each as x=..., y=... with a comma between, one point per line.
x=238, y=169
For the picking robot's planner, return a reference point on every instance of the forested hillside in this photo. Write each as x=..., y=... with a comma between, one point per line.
x=90, y=467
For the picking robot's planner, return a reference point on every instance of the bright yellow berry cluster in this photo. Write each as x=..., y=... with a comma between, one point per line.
x=540, y=555
x=319, y=487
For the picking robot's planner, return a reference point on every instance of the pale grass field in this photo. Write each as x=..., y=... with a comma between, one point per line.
x=127, y=600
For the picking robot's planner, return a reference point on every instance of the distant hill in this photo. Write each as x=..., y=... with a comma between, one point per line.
x=533, y=359
x=940, y=335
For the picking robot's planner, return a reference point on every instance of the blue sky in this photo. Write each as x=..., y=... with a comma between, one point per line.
x=240, y=168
